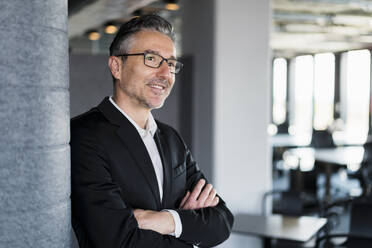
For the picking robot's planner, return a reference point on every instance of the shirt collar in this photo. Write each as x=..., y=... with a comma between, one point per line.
x=150, y=127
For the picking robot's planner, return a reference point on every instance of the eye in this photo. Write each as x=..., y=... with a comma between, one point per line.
x=150, y=57
x=172, y=63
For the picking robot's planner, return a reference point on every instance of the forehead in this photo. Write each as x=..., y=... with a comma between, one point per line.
x=153, y=40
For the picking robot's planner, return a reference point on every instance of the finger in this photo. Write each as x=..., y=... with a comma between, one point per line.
x=185, y=199
x=204, y=195
x=137, y=212
x=197, y=189
x=210, y=198
x=215, y=202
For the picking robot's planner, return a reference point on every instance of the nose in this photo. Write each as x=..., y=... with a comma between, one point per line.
x=164, y=70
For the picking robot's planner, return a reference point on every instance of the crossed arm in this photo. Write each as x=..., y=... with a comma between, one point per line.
x=163, y=223
x=101, y=217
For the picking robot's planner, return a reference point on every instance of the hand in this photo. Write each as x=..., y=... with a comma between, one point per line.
x=200, y=199
x=161, y=222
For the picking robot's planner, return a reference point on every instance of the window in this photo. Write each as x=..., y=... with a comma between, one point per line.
x=356, y=91
x=324, y=86
x=303, y=95
x=279, y=90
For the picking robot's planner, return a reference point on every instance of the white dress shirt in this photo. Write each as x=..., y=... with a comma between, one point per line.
x=147, y=136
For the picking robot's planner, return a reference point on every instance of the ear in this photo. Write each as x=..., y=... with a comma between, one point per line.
x=115, y=66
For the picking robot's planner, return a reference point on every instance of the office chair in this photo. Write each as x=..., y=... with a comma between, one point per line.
x=295, y=203
x=364, y=174
x=322, y=139
x=360, y=227
x=366, y=169
x=283, y=128
x=290, y=202
x=367, y=179
x=301, y=198
x=303, y=181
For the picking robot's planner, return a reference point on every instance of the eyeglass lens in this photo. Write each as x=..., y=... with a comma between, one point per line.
x=154, y=60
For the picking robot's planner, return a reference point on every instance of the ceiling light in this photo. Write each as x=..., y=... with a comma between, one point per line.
x=343, y=30
x=110, y=29
x=172, y=6
x=364, y=38
x=303, y=28
x=94, y=35
x=351, y=20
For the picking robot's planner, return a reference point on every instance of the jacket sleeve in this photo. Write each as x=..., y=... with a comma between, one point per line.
x=205, y=227
x=100, y=216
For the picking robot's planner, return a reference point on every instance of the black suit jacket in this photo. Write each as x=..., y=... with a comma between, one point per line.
x=112, y=174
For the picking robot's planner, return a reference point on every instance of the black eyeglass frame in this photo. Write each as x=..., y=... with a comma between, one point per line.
x=161, y=62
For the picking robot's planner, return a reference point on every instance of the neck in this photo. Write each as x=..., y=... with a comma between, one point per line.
x=139, y=114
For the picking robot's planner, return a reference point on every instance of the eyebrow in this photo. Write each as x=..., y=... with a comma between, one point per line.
x=157, y=53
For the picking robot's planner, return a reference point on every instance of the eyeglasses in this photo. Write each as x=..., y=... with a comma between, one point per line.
x=155, y=61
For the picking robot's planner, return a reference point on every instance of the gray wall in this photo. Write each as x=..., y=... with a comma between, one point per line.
x=198, y=43
x=90, y=82
x=241, y=102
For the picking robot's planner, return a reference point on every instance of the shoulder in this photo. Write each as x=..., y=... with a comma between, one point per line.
x=91, y=121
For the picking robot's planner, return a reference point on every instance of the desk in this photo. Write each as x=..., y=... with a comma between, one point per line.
x=300, y=229
x=334, y=156
x=340, y=155
x=286, y=140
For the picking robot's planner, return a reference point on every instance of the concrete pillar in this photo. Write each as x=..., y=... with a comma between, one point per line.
x=229, y=43
x=34, y=130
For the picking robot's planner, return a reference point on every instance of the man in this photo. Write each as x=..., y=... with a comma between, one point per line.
x=134, y=181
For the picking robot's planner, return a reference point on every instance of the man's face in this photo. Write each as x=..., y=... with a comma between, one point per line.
x=144, y=86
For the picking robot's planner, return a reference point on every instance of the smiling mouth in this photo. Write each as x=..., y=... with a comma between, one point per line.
x=157, y=86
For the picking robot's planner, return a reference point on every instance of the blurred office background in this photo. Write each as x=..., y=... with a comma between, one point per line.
x=274, y=101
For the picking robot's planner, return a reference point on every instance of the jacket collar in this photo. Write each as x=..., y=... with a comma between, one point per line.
x=133, y=142
x=151, y=126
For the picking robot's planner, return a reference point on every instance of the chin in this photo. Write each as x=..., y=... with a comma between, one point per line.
x=157, y=106
x=155, y=103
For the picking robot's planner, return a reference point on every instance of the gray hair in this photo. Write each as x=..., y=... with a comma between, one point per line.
x=122, y=40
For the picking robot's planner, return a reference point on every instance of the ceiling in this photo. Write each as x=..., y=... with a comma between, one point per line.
x=299, y=26
x=312, y=26
x=85, y=15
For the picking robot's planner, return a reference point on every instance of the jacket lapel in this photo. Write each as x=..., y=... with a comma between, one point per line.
x=133, y=142
x=163, y=149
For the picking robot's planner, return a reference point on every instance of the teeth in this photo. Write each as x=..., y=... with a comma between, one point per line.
x=157, y=86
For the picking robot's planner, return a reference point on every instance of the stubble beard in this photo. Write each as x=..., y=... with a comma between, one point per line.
x=140, y=98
